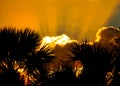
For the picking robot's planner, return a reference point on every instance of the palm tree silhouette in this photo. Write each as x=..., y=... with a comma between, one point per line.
x=96, y=63
x=64, y=77
x=8, y=77
x=38, y=65
x=16, y=46
x=116, y=66
x=23, y=47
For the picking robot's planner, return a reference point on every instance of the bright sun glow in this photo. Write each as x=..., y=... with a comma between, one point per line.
x=57, y=40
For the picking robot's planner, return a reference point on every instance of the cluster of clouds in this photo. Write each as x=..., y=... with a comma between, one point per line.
x=61, y=43
x=108, y=34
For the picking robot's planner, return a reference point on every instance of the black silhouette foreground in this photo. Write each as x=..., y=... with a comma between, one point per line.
x=20, y=49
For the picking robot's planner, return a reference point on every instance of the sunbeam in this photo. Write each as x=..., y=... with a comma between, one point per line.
x=78, y=19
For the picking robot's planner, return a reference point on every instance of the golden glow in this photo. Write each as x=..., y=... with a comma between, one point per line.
x=109, y=77
x=77, y=18
x=98, y=34
x=58, y=40
x=78, y=68
x=21, y=70
x=23, y=75
x=90, y=43
x=79, y=71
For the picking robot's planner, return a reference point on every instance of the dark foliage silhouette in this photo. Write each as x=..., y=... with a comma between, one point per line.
x=38, y=65
x=65, y=77
x=23, y=49
x=15, y=47
x=116, y=66
x=10, y=78
x=96, y=61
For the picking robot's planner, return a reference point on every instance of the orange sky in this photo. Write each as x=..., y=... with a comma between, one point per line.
x=76, y=18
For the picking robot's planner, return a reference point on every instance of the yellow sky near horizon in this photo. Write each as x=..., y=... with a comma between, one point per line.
x=76, y=18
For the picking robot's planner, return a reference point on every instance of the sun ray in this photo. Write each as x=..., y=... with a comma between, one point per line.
x=77, y=18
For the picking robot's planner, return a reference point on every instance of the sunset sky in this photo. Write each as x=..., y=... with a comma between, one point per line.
x=78, y=19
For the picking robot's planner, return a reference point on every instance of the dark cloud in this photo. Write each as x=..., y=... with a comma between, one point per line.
x=108, y=35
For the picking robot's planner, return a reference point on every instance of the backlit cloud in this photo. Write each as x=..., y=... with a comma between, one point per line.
x=57, y=40
x=108, y=34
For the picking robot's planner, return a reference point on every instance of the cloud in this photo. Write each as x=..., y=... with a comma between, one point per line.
x=108, y=35
x=61, y=40
x=60, y=45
